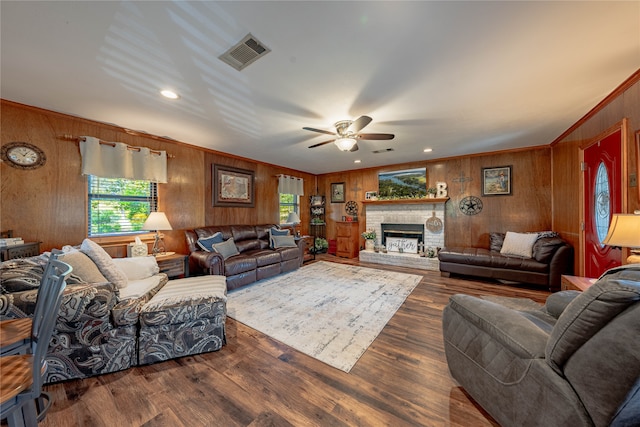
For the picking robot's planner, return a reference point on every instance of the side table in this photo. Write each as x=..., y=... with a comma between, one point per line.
x=575, y=283
x=174, y=265
x=19, y=251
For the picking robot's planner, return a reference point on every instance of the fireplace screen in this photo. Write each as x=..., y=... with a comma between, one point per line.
x=405, y=236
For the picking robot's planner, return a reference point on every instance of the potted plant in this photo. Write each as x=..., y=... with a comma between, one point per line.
x=369, y=237
x=431, y=192
x=321, y=245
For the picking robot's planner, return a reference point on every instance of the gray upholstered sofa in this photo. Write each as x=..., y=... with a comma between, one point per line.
x=256, y=258
x=106, y=327
x=573, y=362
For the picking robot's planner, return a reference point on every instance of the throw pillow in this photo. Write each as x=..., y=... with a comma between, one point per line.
x=104, y=262
x=83, y=267
x=226, y=249
x=137, y=268
x=273, y=231
x=206, y=243
x=518, y=244
x=284, y=242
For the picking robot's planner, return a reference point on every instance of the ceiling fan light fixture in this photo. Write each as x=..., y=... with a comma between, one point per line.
x=345, y=144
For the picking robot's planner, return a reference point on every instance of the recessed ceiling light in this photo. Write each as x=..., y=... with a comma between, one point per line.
x=428, y=150
x=356, y=161
x=169, y=94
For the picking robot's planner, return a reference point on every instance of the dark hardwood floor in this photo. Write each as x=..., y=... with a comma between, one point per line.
x=401, y=380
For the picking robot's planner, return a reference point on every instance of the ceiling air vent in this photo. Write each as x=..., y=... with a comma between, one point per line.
x=386, y=150
x=244, y=53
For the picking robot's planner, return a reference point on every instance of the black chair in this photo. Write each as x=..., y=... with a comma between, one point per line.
x=22, y=374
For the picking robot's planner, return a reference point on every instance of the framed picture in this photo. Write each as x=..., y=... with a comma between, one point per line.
x=337, y=192
x=233, y=187
x=496, y=181
x=638, y=159
x=371, y=195
x=317, y=200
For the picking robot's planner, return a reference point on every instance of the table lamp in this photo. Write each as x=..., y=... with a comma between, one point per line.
x=157, y=221
x=294, y=220
x=624, y=232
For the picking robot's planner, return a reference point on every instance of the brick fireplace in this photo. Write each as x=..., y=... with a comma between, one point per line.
x=417, y=215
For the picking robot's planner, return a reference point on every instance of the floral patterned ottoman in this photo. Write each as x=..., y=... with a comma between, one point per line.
x=186, y=317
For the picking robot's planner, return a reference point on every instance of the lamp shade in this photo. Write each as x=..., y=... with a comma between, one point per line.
x=157, y=221
x=293, y=218
x=624, y=231
x=345, y=144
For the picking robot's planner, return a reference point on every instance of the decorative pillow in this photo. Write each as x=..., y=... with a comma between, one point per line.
x=496, y=241
x=137, y=268
x=542, y=234
x=545, y=248
x=206, y=243
x=283, y=242
x=519, y=244
x=273, y=231
x=104, y=262
x=226, y=249
x=83, y=267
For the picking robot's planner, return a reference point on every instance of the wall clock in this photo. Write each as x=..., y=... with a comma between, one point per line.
x=23, y=155
x=351, y=207
x=470, y=205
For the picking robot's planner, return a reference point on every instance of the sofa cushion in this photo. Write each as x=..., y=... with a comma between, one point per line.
x=265, y=257
x=239, y=264
x=136, y=268
x=284, y=242
x=226, y=248
x=495, y=241
x=274, y=231
x=206, y=243
x=243, y=232
x=544, y=248
x=83, y=267
x=519, y=244
x=104, y=262
x=247, y=245
x=289, y=253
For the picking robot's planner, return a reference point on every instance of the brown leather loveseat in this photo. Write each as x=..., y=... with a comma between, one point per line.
x=255, y=260
x=551, y=257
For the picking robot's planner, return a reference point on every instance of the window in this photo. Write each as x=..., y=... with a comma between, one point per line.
x=118, y=206
x=602, y=208
x=288, y=203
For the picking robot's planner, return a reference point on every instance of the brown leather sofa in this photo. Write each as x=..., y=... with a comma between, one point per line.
x=255, y=261
x=552, y=257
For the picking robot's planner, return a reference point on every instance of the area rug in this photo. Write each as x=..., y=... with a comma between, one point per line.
x=329, y=311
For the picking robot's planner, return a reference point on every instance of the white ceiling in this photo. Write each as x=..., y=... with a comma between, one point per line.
x=457, y=77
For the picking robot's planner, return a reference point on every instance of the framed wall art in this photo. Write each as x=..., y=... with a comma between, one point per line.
x=337, y=192
x=233, y=187
x=496, y=181
x=638, y=159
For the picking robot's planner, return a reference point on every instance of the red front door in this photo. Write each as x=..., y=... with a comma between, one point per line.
x=602, y=181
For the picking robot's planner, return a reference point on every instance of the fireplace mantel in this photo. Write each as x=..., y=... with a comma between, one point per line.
x=405, y=201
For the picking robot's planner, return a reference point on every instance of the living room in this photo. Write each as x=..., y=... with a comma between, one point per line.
x=48, y=205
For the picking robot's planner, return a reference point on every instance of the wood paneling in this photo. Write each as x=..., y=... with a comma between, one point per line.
x=566, y=156
x=49, y=204
x=528, y=209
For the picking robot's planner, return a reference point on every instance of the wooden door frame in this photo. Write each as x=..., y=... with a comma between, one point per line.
x=623, y=127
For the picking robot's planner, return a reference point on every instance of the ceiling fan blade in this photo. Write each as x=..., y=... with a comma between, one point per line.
x=374, y=136
x=359, y=123
x=321, y=143
x=354, y=148
x=319, y=131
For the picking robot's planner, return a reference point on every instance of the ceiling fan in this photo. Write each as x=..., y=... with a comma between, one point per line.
x=347, y=134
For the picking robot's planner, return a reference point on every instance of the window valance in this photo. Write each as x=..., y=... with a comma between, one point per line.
x=119, y=160
x=290, y=185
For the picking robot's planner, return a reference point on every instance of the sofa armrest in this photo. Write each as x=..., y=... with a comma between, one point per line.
x=208, y=262
x=94, y=300
x=561, y=263
x=508, y=327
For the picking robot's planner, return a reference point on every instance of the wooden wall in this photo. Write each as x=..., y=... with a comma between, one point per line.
x=49, y=204
x=622, y=104
x=527, y=209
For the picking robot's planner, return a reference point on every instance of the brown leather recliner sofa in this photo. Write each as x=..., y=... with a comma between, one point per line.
x=551, y=258
x=255, y=261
